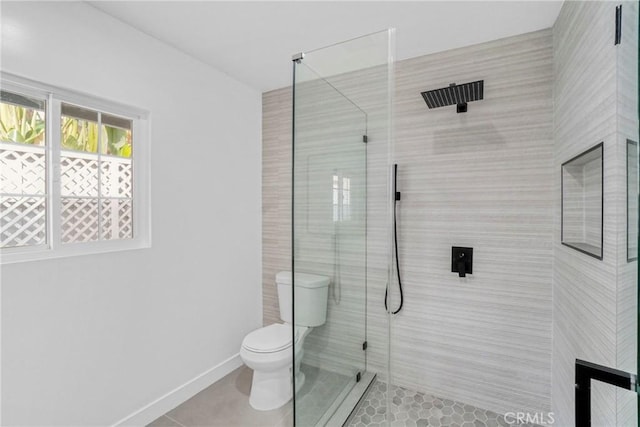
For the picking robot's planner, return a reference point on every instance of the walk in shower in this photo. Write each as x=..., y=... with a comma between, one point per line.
x=517, y=227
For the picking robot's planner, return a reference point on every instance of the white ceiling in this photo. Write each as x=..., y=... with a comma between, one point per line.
x=253, y=41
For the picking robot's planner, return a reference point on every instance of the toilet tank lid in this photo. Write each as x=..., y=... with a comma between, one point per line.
x=303, y=280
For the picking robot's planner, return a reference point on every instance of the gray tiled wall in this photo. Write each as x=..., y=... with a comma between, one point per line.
x=594, y=301
x=627, y=310
x=480, y=179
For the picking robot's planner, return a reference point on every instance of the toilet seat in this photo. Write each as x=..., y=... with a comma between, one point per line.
x=270, y=339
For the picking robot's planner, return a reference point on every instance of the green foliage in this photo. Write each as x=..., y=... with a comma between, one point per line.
x=22, y=125
x=79, y=135
x=27, y=126
x=118, y=141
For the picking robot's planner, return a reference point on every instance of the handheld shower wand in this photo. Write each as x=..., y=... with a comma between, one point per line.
x=396, y=198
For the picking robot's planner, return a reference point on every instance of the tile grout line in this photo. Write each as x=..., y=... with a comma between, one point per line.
x=175, y=421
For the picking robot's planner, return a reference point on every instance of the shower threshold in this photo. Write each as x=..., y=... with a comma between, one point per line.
x=346, y=405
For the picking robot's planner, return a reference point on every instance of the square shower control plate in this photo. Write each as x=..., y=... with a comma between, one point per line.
x=461, y=255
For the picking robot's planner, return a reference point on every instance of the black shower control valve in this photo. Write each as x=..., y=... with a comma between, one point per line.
x=461, y=261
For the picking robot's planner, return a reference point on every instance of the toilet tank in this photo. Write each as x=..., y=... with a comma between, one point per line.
x=311, y=298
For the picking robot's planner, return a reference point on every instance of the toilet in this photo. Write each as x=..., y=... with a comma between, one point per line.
x=268, y=350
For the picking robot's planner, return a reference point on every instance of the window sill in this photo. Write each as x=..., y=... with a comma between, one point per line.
x=71, y=250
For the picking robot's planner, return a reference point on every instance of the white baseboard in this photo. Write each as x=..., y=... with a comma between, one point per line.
x=180, y=394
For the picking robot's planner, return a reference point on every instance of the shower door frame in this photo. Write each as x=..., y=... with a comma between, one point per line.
x=587, y=371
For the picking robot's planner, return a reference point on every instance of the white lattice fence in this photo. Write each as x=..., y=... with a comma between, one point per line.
x=117, y=207
x=79, y=220
x=115, y=174
x=22, y=221
x=22, y=202
x=96, y=196
x=22, y=169
x=117, y=219
x=79, y=174
x=82, y=221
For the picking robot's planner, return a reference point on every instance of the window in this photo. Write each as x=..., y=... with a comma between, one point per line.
x=341, y=198
x=23, y=177
x=95, y=175
x=73, y=174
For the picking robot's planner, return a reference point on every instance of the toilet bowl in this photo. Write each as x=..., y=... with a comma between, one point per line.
x=268, y=350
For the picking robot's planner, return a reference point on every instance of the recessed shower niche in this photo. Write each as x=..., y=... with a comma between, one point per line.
x=582, y=202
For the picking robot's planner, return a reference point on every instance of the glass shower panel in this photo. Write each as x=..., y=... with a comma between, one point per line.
x=627, y=164
x=341, y=213
x=330, y=240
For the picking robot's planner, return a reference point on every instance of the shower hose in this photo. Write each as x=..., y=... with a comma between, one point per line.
x=396, y=197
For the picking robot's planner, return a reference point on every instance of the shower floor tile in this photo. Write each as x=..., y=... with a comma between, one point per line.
x=415, y=409
x=226, y=403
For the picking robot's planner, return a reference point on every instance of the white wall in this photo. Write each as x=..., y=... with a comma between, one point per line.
x=90, y=340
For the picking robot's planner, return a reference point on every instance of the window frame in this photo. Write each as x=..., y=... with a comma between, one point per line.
x=141, y=191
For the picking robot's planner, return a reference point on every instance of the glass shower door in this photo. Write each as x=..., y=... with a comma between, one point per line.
x=627, y=403
x=329, y=229
x=341, y=213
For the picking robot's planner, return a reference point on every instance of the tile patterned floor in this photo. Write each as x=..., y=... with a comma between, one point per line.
x=226, y=403
x=414, y=409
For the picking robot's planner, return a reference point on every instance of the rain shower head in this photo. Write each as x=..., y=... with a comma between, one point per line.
x=455, y=94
